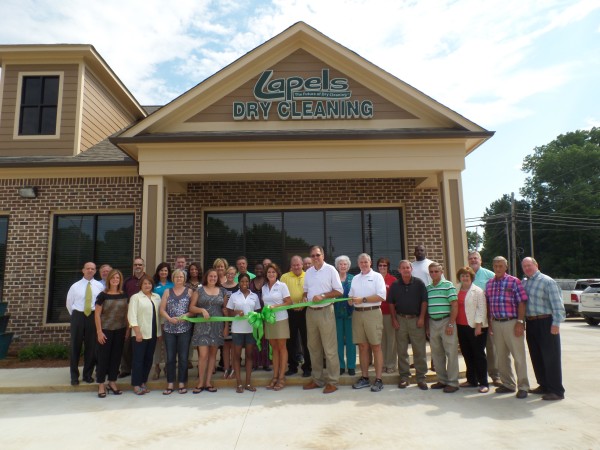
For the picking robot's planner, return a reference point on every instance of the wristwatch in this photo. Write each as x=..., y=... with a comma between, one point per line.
x=450, y=325
x=520, y=321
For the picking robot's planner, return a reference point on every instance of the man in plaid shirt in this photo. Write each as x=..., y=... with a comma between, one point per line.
x=506, y=309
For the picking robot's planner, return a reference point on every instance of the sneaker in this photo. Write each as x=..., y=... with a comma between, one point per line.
x=377, y=386
x=361, y=383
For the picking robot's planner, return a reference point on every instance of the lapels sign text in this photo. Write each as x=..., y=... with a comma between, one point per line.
x=303, y=98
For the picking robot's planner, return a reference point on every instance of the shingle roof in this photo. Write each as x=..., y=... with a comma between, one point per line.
x=103, y=153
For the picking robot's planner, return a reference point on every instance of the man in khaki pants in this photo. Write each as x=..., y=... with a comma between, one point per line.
x=321, y=282
x=507, y=299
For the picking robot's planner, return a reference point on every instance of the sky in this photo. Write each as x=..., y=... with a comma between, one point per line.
x=528, y=70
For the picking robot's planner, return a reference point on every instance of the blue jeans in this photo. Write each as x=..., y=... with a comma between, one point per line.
x=177, y=346
x=344, y=339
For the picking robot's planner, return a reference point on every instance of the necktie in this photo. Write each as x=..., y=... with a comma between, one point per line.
x=87, y=308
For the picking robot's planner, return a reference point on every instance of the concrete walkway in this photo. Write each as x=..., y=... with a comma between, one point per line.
x=297, y=419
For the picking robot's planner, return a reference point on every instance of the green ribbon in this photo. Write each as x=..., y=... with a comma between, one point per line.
x=256, y=319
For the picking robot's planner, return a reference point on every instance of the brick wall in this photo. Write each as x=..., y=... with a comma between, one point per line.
x=421, y=206
x=28, y=244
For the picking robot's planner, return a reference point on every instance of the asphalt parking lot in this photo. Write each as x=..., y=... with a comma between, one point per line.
x=297, y=419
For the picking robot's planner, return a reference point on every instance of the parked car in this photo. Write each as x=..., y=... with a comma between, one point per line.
x=580, y=286
x=566, y=287
x=589, y=306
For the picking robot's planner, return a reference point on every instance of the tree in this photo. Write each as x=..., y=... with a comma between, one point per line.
x=564, y=191
x=474, y=240
x=497, y=232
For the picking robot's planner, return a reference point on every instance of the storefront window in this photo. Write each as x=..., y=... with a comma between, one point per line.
x=279, y=235
x=77, y=239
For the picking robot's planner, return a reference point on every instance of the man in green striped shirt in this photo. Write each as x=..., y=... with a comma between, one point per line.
x=442, y=308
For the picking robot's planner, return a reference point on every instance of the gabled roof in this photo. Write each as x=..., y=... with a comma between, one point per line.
x=300, y=36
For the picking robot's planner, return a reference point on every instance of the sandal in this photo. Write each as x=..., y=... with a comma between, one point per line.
x=168, y=391
x=250, y=388
x=113, y=389
x=101, y=394
x=138, y=390
x=484, y=389
x=197, y=390
x=210, y=388
x=182, y=390
x=271, y=385
x=145, y=388
x=231, y=374
x=280, y=384
x=239, y=389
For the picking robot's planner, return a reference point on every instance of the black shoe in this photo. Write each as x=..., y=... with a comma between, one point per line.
x=538, y=390
x=123, y=374
x=267, y=368
x=291, y=372
x=306, y=373
x=351, y=372
x=504, y=390
x=550, y=396
x=342, y=371
x=88, y=380
x=522, y=393
x=74, y=382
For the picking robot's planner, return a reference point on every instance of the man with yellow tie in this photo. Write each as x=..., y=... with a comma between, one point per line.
x=81, y=303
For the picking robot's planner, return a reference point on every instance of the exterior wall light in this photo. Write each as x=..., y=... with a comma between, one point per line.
x=27, y=192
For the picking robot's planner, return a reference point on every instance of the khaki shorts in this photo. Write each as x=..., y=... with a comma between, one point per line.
x=367, y=327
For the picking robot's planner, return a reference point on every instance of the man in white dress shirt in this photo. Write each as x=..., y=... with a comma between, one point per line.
x=81, y=303
x=367, y=292
x=321, y=282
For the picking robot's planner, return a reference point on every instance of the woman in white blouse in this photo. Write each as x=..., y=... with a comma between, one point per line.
x=472, y=326
x=274, y=294
x=144, y=320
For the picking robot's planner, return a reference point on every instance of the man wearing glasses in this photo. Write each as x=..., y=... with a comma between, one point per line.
x=322, y=282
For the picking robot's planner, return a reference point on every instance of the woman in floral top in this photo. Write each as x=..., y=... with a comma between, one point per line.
x=177, y=332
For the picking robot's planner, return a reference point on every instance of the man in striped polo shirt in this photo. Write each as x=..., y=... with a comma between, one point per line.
x=442, y=308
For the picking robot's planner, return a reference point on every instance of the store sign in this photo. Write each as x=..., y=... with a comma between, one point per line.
x=302, y=98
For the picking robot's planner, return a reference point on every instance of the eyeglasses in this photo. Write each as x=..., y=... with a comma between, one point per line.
x=382, y=265
x=138, y=265
x=317, y=255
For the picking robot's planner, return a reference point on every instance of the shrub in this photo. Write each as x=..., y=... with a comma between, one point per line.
x=44, y=351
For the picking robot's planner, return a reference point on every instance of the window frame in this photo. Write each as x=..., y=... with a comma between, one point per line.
x=17, y=120
x=51, y=248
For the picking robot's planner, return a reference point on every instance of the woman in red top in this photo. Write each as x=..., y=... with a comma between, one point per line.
x=388, y=339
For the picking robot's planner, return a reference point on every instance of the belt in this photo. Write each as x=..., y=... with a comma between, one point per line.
x=407, y=316
x=367, y=308
x=541, y=316
x=320, y=307
x=440, y=318
x=503, y=319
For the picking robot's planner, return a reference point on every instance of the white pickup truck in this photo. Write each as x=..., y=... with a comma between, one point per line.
x=566, y=287
x=575, y=298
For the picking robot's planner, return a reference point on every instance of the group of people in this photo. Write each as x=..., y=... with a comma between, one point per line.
x=119, y=322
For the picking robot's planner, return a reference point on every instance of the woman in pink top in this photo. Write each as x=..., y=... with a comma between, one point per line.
x=388, y=339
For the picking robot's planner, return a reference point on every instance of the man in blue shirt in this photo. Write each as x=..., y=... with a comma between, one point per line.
x=545, y=311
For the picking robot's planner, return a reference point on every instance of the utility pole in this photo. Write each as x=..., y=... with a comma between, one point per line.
x=507, y=239
x=513, y=235
x=531, y=233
